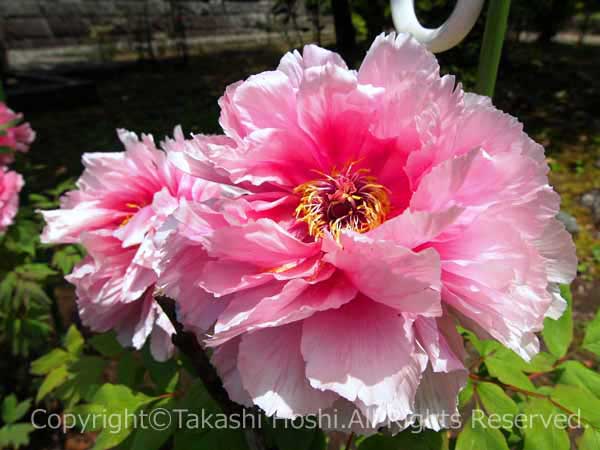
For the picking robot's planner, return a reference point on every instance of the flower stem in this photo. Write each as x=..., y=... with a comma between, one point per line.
x=349, y=441
x=491, y=47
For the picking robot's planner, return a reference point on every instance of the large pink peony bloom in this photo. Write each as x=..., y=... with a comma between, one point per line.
x=122, y=198
x=14, y=135
x=380, y=206
x=10, y=186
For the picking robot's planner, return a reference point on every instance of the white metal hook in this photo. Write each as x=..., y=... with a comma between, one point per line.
x=443, y=38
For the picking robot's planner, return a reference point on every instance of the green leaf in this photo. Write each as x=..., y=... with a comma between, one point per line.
x=109, y=438
x=591, y=340
x=116, y=398
x=106, y=344
x=465, y=396
x=86, y=376
x=540, y=428
x=558, y=334
x=49, y=361
x=576, y=374
x=542, y=362
x=590, y=439
x=129, y=369
x=73, y=340
x=55, y=378
x=424, y=440
x=118, y=401
x=15, y=435
x=578, y=400
x=66, y=257
x=35, y=271
x=478, y=435
x=161, y=373
x=496, y=401
x=506, y=366
x=154, y=437
x=12, y=410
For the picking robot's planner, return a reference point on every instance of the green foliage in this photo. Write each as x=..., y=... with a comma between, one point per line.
x=558, y=334
x=12, y=433
x=591, y=341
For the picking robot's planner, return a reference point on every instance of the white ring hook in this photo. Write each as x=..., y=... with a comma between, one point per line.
x=443, y=38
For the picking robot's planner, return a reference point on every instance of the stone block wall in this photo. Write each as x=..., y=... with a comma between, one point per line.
x=46, y=23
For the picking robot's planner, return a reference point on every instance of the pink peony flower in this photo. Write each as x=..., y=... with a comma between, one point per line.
x=379, y=207
x=10, y=186
x=122, y=198
x=14, y=136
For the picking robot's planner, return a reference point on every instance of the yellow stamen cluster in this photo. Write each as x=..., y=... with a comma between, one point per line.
x=347, y=200
x=128, y=217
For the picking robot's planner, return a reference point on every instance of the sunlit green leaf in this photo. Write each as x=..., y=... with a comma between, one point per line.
x=479, y=435
x=558, y=334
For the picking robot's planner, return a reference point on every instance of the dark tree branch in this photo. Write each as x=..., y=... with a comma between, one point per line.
x=187, y=344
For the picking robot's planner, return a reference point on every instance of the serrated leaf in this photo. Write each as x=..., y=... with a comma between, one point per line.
x=590, y=440
x=49, y=361
x=73, y=340
x=15, y=435
x=116, y=397
x=576, y=374
x=496, y=401
x=424, y=440
x=540, y=430
x=12, y=410
x=118, y=400
x=591, y=340
x=558, y=334
x=478, y=435
x=65, y=258
x=55, y=378
x=578, y=400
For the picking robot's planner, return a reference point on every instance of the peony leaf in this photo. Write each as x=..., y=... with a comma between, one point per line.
x=540, y=430
x=496, y=401
x=578, y=401
x=558, y=334
x=15, y=435
x=106, y=344
x=590, y=439
x=424, y=440
x=55, y=378
x=49, y=361
x=478, y=434
x=73, y=340
x=12, y=410
x=591, y=341
x=576, y=374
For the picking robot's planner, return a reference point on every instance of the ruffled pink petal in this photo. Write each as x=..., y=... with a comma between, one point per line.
x=281, y=303
x=262, y=243
x=273, y=373
x=11, y=184
x=365, y=352
x=225, y=358
x=388, y=273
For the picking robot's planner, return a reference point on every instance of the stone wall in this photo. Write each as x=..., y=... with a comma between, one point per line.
x=42, y=23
